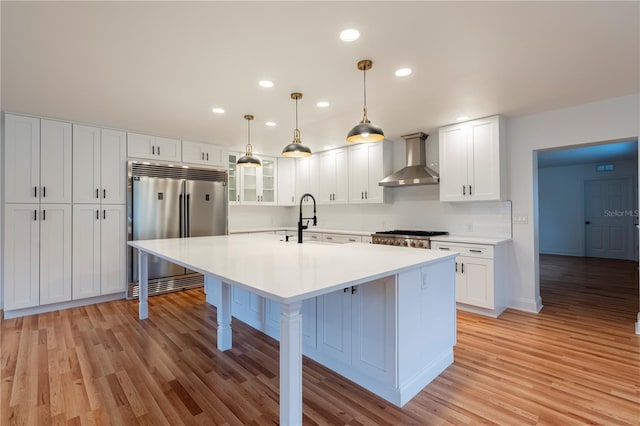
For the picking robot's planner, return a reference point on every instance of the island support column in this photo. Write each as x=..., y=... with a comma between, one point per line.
x=143, y=285
x=224, y=316
x=291, y=364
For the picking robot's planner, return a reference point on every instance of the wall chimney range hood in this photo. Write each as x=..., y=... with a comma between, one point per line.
x=416, y=172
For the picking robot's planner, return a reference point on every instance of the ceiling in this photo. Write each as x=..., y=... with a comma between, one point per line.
x=160, y=67
x=591, y=154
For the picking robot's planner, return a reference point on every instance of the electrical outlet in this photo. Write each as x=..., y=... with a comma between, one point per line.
x=521, y=219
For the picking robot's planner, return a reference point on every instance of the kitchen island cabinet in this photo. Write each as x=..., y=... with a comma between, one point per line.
x=419, y=290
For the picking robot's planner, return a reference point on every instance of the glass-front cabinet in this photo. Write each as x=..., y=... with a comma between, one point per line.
x=252, y=185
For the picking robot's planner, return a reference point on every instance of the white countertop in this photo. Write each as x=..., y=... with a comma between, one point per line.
x=288, y=272
x=470, y=240
x=294, y=230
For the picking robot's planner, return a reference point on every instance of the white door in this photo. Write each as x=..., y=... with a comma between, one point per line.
x=334, y=325
x=327, y=177
x=286, y=181
x=21, y=159
x=168, y=149
x=609, y=219
x=475, y=282
x=141, y=146
x=234, y=178
x=113, y=167
x=373, y=337
x=192, y=153
x=341, y=194
x=86, y=164
x=86, y=251
x=55, y=253
x=375, y=173
x=358, y=172
x=113, y=248
x=484, y=160
x=453, y=163
x=55, y=162
x=267, y=181
x=21, y=256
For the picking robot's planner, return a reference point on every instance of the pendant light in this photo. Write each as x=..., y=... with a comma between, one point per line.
x=295, y=148
x=248, y=159
x=365, y=131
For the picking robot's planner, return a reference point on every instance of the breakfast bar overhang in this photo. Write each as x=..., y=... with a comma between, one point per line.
x=422, y=289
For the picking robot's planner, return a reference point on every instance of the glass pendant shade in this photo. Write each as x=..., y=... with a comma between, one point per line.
x=365, y=132
x=248, y=159
x=295, y=149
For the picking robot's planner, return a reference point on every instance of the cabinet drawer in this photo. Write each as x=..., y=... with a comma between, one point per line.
x=315, y=236
x=469, y=250
x=341, y=238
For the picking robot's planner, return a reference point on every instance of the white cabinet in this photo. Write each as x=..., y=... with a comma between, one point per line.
x=334, y=176
x=286, y=181
x=204, y=153
x=37, y=254
x=99, y=165
x=234, y=178
x=480, y=276
x=307, y=176
x=258, y=184
x=473, y=160
x=341, y=238
x=368, y=165
x=153, y=147
x=99, y=249
x=37, y=160
x=356, y=328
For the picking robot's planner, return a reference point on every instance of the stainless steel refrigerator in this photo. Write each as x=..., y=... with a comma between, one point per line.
x=173, y=202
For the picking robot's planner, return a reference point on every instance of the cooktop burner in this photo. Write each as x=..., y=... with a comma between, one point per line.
x=413, y=233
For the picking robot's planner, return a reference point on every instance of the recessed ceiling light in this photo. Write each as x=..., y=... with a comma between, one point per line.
x=403, y=72
x=462, y=118
x=218, y=110
x=265, y=83
x=322, y=104
x=270, y=123
x=349, y=35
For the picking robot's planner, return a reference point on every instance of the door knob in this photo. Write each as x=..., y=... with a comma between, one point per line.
x=587, y=223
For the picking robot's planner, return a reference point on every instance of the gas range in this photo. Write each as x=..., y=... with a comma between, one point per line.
x=406, y=238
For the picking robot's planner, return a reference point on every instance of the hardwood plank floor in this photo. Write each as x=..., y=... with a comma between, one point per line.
x=577, y=362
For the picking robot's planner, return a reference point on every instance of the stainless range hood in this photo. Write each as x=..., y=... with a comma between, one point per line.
x=416, y=172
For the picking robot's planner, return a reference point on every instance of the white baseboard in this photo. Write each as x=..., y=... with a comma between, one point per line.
x=527, y=305
x=63, y=305
x=493, y=313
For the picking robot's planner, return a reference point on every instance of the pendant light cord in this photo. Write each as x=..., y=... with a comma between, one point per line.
x=365, y=119
x=296, y=132
x=249, y=148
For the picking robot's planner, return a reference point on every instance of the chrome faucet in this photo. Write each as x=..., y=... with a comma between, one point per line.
x=315, y=219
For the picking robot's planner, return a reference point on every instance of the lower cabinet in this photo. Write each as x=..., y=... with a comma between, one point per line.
x=356, y=328
x=37, y=262
x=480, y=276
x=99, y=250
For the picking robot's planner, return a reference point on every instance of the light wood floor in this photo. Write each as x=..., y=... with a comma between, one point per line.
x=577, y=362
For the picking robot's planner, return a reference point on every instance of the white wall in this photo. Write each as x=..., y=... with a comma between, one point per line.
x=562, y=204
x=608, y=120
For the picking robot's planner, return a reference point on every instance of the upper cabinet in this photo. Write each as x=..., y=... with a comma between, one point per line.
x=286, y=181
x=334, y=176
x=153, y=147
x=204, y=153
x=38, y=159
x=99, y=165
x=368, y=165
x=473, y=160
x=307, y=176
x=252, y=185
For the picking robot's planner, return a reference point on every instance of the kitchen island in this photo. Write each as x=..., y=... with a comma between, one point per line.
x=384, y=316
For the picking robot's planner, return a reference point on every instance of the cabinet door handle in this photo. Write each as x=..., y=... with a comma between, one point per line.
x=329, y=238
x=366, y=195
x=475, y=251
x=207, y=156
x=456, y=266
x=238, y=197
x=352, y=240
x=292, y=199
x=97, y=193
x=469, y=189
x=464, y=189
x=44, y=192
x=97, y=214
x=462, y=268
x=104, y=193
x=444, y=248
x=344, y=290
x=35, y=192
x=104, y=214
x=35, y=215
x=353, y=289
x=44, y=214
x=362, y=195
x=203, y=155
x=153, y=150
x=158, y=150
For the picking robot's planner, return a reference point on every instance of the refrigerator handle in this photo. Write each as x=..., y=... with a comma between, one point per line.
x=187, y=221
x=181, y=216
